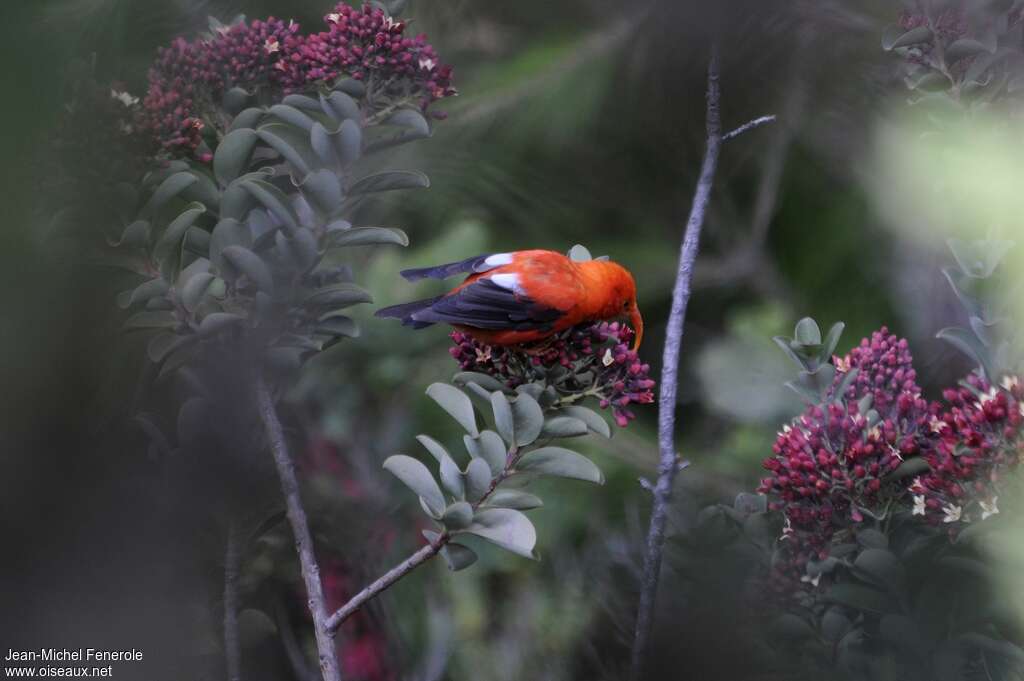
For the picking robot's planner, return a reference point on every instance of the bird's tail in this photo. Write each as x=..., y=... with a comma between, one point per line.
x=405, y=311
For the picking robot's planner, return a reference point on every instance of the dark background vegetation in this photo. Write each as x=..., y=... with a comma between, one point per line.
x=577, y=122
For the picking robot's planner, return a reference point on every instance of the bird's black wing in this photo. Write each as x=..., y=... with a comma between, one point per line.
x=475, y=264
x=486, y=305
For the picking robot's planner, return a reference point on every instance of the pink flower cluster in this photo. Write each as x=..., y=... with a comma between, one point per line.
x=367, y=44
x=828, y=467
x=188, y=79
x=980, y=441
x=600, y=351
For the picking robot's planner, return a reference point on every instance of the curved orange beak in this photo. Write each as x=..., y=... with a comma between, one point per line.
x=637, y=322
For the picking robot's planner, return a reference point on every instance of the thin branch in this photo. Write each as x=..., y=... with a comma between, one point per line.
x=232, y=567
x=421, y=556
x=383, y=582
x=749, y=125
x=300, y=529
x=669, y=459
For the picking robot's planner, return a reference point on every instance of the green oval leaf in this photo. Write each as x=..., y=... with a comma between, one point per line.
x=457, y=556
x=478, y=479
x=507, y=528
x=293, y=116
x=412, y=120
x=595, y=422
x=416, y=477
x=168, y=189
x=367, y=236
x=458, y=516
x=564, y=426
x=513, y=498
x=339, y=106
x=492, y=449
x=560, y=462
x=390, y=180
x=451, y=477
x=436, y=449
x=194, y=289
x=142, y=293
x=338, y=296
x=216, y=322
x=338, y=325
x=231, y=159
x=528, y=418
x=457, y=404
x=291, y=144
x=242, y=260
x=274, y=200
x=504, y=420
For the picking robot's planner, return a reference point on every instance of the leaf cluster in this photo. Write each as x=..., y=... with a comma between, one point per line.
x=483, y=496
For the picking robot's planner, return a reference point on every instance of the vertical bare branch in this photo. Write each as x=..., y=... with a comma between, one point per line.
x=232, y=566
x=669, y=459
x=300, y=529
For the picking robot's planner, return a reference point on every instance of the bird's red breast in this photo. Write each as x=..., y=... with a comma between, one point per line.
x=525, y=296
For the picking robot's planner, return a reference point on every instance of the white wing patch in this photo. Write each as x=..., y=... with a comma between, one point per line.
x=509, y=282
x=497, y=260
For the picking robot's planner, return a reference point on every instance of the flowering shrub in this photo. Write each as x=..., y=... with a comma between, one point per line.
x=964, y=51
x=980, y=442
x=865, y=520
x=833, y=465
x=194, y=84
x=590, y=360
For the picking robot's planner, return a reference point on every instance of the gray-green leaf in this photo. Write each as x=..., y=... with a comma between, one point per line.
x=507, y=528
x=560, y=462
x=478, y=479
x=458, y=516
x=457, y=404
x=528, y=418
x=416, y=477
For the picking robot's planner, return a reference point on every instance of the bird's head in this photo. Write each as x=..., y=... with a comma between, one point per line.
x=618, y=292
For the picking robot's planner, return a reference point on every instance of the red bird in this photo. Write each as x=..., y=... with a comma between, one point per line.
x=512, y=298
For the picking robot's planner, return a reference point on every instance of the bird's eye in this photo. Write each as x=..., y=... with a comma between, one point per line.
x=625, y=305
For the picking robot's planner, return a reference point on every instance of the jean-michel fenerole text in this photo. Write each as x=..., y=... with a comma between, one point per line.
x=74, y=654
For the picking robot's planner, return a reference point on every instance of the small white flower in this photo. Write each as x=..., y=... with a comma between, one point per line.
x=608, y=360
x=223, y=30
x=785, y=430
x=390, y=23
x=842, y=364
x=124, y=97
x=875, y=432
x=1010, y=382
x=936, y=424
x=988, y=397
x=918, y=505
x=787, y=531
x=989, y=508
x=895, y=451
x=953, y=513
x=813, y=581
x=271, y=46
x=427, y=64
x=333, y=17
